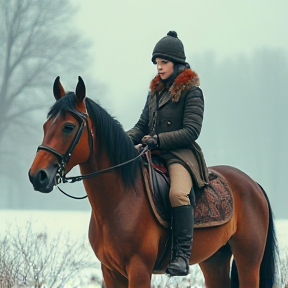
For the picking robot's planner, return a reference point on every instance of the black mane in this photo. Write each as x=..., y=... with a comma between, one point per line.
x=109, y=132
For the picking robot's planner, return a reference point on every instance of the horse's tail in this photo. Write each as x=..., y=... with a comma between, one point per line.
x=234, y=276
x=268, y=264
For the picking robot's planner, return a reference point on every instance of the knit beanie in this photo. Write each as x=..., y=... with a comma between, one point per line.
x=170, y=48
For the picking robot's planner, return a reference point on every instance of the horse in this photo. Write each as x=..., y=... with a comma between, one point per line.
x=123, y=231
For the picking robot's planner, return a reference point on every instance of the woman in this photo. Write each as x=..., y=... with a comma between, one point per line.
x=170, y=122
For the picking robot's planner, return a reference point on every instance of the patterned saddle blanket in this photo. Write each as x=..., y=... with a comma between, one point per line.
x=214, y=202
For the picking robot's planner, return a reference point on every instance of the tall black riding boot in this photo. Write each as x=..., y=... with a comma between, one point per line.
x=182, y=231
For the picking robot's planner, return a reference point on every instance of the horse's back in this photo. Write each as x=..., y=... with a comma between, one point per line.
x=250, y=204
x=241, y=184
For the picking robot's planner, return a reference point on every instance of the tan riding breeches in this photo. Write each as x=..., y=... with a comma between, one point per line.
x=181, y=184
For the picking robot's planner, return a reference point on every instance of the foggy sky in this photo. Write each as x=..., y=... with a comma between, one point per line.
x=124, y=34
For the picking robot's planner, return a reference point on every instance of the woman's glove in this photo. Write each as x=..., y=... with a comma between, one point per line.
x=139, y=148
x=151, y=141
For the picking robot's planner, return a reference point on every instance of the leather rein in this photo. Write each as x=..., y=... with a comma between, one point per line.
x=63, y=159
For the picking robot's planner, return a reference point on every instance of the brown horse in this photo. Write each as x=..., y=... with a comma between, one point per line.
x=123, y=232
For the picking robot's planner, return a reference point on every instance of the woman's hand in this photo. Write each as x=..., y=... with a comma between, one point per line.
x=150, y=141
x=139, y=148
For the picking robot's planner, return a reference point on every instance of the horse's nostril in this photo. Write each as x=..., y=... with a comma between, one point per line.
x=42, y=179
x=42, y=176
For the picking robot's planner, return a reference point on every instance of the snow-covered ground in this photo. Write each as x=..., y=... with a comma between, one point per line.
x=75, y=223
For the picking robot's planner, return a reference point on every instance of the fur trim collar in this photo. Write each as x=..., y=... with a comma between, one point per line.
x=184, y=81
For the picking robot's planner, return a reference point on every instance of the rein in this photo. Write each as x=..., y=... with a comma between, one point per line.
x=82, y=177
x=63, y=159
x=93, y=174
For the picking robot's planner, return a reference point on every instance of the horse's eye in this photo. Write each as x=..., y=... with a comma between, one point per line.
x=68, y=127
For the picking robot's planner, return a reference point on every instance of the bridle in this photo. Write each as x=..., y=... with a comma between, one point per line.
x=63, y=159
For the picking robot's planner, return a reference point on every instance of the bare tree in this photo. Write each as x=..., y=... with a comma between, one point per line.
x=38, y=42
x=35, y=259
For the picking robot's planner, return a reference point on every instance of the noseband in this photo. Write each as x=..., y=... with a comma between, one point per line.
x=63, y=159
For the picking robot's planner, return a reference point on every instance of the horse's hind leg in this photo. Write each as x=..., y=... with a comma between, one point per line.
x=248, y=243
x=248, y=260
x=113, y=279
x=216, y=269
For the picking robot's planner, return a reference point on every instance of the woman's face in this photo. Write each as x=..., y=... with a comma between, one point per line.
x=165, y=68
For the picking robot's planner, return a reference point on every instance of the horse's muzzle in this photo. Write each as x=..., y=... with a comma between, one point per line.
x=43, y=179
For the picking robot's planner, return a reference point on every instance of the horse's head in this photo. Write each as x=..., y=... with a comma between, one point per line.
x=66, y=131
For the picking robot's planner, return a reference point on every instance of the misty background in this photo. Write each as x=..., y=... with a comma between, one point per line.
x=239, y=49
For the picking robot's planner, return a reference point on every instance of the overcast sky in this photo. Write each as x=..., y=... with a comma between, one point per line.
x=124, y=34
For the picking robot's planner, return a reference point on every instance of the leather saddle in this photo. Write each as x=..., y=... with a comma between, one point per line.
x=214, y=202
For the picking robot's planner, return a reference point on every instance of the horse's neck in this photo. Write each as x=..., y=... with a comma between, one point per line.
x=105, y=191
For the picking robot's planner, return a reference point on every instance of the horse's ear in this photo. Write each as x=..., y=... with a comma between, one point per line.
x=58, y=89
x=80, y=90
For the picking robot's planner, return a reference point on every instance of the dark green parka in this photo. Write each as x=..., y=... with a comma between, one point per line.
x=175, y=115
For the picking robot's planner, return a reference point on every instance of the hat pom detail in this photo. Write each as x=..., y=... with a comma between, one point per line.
x=172, y=34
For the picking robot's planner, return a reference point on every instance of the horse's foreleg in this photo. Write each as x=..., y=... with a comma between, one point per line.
x=138, y=274
x=113, y=279
x=216, y=268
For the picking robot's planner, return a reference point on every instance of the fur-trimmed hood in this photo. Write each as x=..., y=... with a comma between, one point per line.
x=184, y=81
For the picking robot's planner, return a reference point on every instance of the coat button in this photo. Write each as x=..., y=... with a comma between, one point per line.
x=169, y=123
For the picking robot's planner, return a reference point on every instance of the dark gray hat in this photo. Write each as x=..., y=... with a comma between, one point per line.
x=169, y=47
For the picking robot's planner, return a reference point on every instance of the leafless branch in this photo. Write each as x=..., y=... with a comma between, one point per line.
x=29, y=258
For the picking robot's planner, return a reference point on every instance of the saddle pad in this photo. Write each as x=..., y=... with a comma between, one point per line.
x=214, y=202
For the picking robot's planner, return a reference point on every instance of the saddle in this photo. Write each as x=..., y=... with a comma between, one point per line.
x=214, y=202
